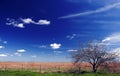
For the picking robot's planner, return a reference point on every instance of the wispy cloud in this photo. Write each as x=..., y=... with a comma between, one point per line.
x=99, y=10
x=78, y=1
x=17, y=54
x=113, y=39
x=3, y=41
x=58, y=52
x=15, y=23
x=42, y=46
x=40, y=22
x=55, y=46
x=70, y=37
x=27, y=20
x=107, y=22
x=34, y=56
x=72, y=50
x=116, y=51
x=21, y=51
x=21, y=22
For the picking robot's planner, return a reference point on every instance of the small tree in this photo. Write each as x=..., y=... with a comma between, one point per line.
x=94, y=53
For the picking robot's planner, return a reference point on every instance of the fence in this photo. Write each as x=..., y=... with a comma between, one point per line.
x=51, y=67
x=37, y=67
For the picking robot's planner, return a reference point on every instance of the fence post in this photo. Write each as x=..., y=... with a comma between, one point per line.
x=59, y=68
x=5, y=67
x=40, y=68
x=22, y=67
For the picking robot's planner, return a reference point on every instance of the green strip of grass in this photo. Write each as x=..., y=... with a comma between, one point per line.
x=28, y=73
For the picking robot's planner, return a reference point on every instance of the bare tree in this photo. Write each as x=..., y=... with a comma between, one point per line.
x=94, y=53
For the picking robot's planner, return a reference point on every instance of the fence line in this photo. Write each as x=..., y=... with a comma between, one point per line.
x=51, y=67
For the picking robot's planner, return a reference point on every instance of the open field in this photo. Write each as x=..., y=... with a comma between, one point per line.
x=53, y=66
x=39, y=66
x=36, y=66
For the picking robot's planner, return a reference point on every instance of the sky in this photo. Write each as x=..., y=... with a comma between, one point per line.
x=48, y=30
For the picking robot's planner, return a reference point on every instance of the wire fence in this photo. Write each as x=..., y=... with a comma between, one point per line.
x=37, y=67
x=54, y=67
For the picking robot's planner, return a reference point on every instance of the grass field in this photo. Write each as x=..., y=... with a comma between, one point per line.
x=52, y=66
x=51, y=69
x=28, y=73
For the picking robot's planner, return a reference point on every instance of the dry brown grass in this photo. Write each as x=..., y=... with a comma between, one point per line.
x=51, y=66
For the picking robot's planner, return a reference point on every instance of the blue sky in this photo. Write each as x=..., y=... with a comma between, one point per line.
x=48, y=30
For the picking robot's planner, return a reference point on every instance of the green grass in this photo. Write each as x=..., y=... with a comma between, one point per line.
x=28, y=73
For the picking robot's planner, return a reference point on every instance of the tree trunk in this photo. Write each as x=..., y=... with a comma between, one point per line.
x=94, y=68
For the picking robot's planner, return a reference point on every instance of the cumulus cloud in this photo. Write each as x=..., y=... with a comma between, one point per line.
x=20, y=25
x=43, y=22
x=99, y=10
x=1, y=47
x=21, y=51
x=71, y=36
x=21, y=22
x=113, y=39
x=3, y=55
x=55, y=46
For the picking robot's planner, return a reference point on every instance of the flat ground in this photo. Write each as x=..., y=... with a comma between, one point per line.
x=51, y=66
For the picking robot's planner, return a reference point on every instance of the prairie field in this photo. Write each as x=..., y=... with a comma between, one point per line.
x=54, y=66
x=36, y=66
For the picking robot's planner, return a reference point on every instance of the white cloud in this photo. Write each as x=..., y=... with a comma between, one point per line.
x=99, y=10
x=21, y=51
x=20, y=25
x=71, y=36
x=27, y=20
x=113, y=39
x=55, y=46
x=3, y=55
x=116, y=51
x=43, y=22
x=71, y=50
x=1, y=47
x=22, y=22
x=40, y=22
x=18, y=54
x=15, y=23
